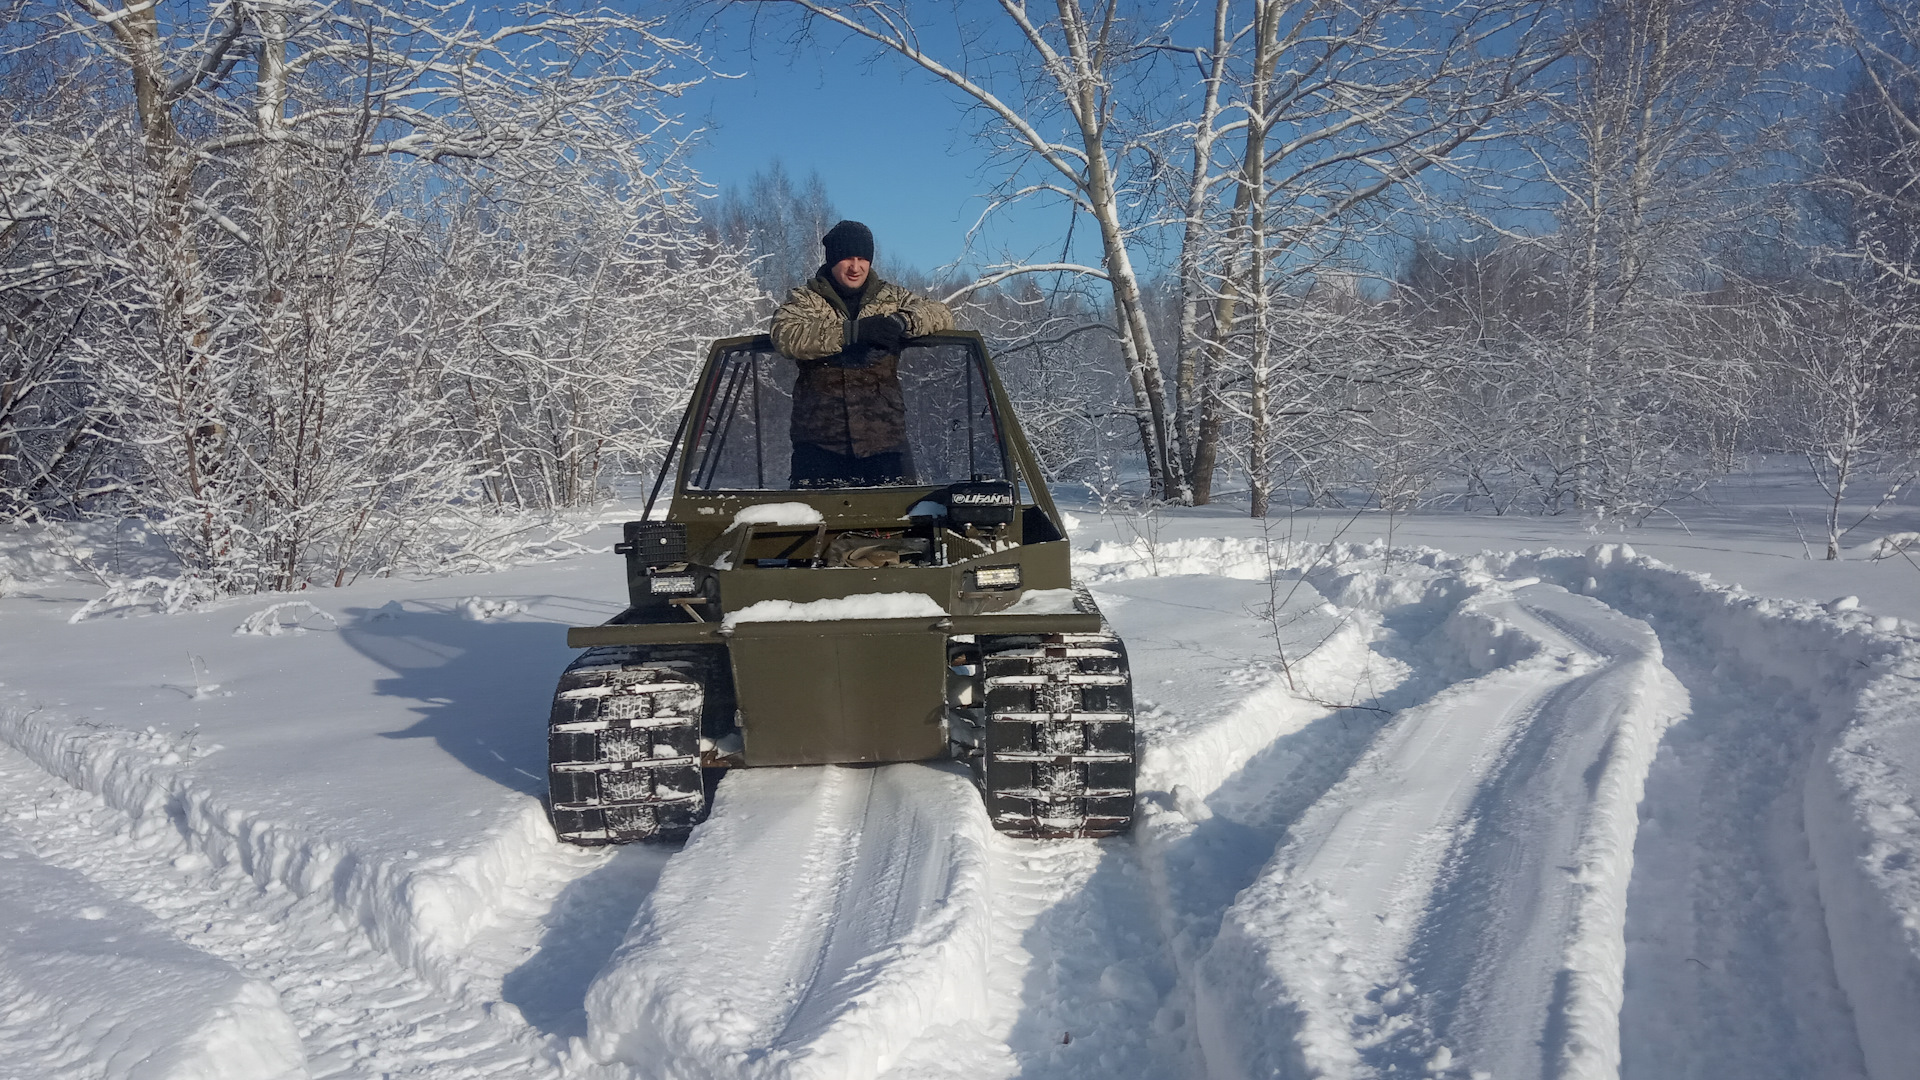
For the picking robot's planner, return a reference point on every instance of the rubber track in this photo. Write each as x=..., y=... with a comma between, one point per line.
x=1058, y=759
x=623, y=746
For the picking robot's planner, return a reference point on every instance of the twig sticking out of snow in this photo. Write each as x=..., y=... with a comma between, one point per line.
x=202, y=689
x=175, y=594
x=267, y=622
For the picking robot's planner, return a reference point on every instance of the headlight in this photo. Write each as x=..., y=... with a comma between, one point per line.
x=671, y=584
x=997, y=577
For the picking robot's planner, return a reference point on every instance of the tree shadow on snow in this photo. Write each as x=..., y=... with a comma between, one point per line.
x=1104, y=1000
x=482, y=688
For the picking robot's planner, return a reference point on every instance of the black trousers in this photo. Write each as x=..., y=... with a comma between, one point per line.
x=818, y=467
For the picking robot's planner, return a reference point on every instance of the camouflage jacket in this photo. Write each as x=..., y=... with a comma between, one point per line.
x=849, y=410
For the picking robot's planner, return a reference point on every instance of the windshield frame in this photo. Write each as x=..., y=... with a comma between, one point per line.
x=1012, y=464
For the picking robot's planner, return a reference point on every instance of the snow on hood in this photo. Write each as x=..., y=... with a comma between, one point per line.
x=781, y=513
x=1044, y=602
x=891, y=605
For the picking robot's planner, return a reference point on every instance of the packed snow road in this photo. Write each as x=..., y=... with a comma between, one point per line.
x=815, y=926
x=1457, y=895
x=1401, y=814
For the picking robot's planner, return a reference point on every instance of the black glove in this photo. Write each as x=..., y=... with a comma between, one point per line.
x=883, y=332
x=854, y=356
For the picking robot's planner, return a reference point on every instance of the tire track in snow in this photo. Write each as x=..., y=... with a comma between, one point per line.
x=449, y=917
x=817, y=924
x=1481, y=844
x=1082, y=975
x=1728, y=967
x=1077, y=980
x=91, y=988
x=1236, y=747
x=1770, y=932
x=358, y=1011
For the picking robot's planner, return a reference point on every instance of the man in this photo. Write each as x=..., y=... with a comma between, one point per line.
x=844, y=329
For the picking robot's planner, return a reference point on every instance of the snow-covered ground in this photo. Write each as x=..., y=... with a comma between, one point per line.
x=1497, y=797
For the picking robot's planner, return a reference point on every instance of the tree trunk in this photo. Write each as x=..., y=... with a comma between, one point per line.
x=1136, y=341
x=1196, y=354
x=1259, y=480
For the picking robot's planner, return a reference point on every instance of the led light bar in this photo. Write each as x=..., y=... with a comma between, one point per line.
x=997, y=577
x=671, y=584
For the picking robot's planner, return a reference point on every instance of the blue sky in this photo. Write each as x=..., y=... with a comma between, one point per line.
x=891, y=144
x=894, y=146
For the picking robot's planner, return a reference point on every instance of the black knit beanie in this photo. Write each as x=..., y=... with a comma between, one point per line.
x=848, y=240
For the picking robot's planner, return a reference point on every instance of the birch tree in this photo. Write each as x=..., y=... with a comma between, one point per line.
x=1294, y=117
x=245, y=214
x=1661, y=147
x=1065, y=123
x=1338, y=109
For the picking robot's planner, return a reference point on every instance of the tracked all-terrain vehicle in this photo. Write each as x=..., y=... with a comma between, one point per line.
x=771, y=625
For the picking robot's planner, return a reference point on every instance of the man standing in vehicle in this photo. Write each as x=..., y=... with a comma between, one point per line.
x=844, y=329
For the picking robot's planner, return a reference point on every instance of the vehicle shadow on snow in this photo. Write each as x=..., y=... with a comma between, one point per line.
x=1092, y=999
x=480, y=687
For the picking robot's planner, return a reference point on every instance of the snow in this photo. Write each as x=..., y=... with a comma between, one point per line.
x=778, y=513
x=761, y=952
x=1043, y=602
x=1487, y=797
x=890, y=605
x=1557, y=688
x=130, y=1002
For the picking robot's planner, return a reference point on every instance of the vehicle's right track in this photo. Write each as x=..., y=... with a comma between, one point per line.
x=1058, y=757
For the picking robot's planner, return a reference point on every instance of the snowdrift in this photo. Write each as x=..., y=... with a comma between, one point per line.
x=100, y=991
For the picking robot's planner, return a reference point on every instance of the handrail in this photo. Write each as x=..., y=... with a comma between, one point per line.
x=1023, y=468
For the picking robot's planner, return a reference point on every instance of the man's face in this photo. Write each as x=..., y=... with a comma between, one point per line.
x=851, y=273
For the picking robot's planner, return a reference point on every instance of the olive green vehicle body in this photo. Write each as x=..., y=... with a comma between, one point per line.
x=849, y=690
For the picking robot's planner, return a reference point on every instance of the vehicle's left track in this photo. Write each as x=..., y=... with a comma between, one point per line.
x=623, y=744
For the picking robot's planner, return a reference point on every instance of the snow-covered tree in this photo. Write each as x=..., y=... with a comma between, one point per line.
x=1664, y=147
x=239, y=210
x=780, y=220
x=1873, y=149
x=1294, y=118
x=572, y=324
x=1843, y=400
